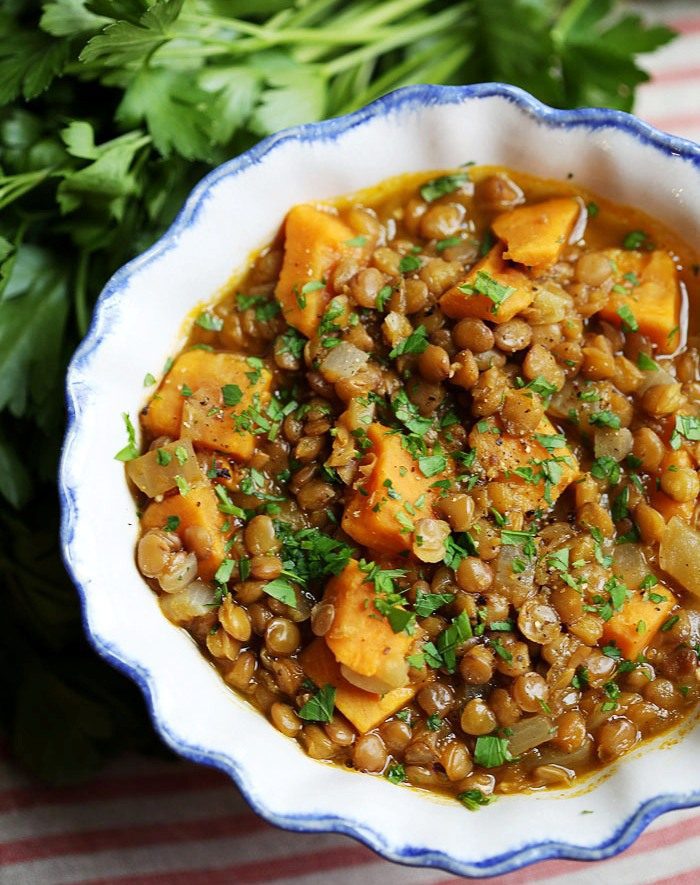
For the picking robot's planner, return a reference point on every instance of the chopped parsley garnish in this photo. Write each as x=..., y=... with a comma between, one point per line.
x=282, y=590
x=446, y=644
x=383, y=296
x=309, y=554
x=163, y=457
x=606, y=468
x=629, y=321
x=172, y=523
x=646, y=363
x=292, y=342
x=358, y=241
x=485, y=284
x=396, y=773
x=149, y=380
x=434, y=722
x=501, y=651
x=592, y=209
x=427, y=603
x=182, y=485
x=669, y=623
x=407, y=413
x=416, y=342
x=224, y=571
x=445, y=184
x=447, y=243
x=409, y=264
x=430, y=465
x=541, y=386
x=605, y=418
x=473, y=800
x=265, y=308
x=687, y=426
x=226, y=505
x=319, y=708
x=232, y=394
x=210, y=322
x=551, y=442
x=130, y=450
x=491, y=751
x=637, y=239
x=620, y=505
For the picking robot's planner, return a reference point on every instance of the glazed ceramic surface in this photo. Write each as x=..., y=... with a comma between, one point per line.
x=138, y=324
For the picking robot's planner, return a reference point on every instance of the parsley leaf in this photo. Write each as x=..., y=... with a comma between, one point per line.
x=491, y=751
x=440, y=187
x=319, y=708
x=416, y=342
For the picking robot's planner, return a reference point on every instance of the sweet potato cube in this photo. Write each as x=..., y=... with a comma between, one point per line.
x=360, y=637
x=199, y=507
x=492, y=290
x=535, y=234
x=634, y=626
x=387, y=501
x=315, y=240
x=363, y=708
x=190, y=401
x=501, y=455
x=646, y=287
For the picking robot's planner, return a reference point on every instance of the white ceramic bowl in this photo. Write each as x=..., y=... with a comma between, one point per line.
x=138, y=324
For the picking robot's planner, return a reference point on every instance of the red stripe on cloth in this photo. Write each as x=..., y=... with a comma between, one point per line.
x=187, y=780
x=121, y=838
x=676, y=75
x=691, y=877
x=689, y=25
x=663, y=837
x=673, y=122
x=338, y=857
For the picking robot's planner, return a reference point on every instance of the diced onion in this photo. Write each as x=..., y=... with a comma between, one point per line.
x=653, y=379
x=679, y=554
x=343, y=361
x=154, y=477
x=609, y=443
x=193, y=602
x=630, y=564
x=529, y=733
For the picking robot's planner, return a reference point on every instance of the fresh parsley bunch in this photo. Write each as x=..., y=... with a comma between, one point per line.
x=110, y=110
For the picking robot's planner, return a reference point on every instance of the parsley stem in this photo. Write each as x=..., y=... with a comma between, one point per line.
x=82, y=314
x=399, y=37
x=12, y=187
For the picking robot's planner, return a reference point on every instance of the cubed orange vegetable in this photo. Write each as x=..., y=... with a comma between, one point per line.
x=501, y=455
x=389, y=497
x=646, y=284
x=536, y=234
x=363, y=708
x=199, y=507
x=360, y=637
x=315, y=240
x=634, y=626
x=668, y=507
x=516, y=290
x=202, y=415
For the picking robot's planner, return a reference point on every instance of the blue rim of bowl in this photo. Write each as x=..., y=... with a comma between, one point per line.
x=401, y=99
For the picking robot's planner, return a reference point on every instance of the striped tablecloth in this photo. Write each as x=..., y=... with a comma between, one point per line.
x=146, y=822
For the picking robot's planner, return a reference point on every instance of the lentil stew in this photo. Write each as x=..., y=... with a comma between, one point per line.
x=423, y=483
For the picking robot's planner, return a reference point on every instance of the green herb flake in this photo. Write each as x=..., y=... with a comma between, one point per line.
x=163, y=457
x=646, y=363
x=605, y=418
x=172, y=523
x=427, y=603
x=636, y=239
x=445, y=184
x=491, y=751
x=395, y=773
x=409, y=264
x=357, y=242
x=688, y=427
x=629, y=321
x=232, y=394
x=447, y=243
x=473, y=800
x=416, y=343
x=224, y=571
x=210, y=322
x=319, y=708
x=485, y=284
x=130, y=450
x=149, y=380
x=182, y=485
x=281, y=590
